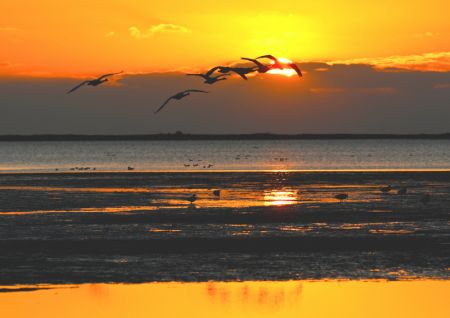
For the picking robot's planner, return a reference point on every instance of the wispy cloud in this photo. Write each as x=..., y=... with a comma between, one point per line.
x=425, y=35
x=434, y=61
x=5, y=63
x=110, y=34
x=442, y=86
x=137, y=33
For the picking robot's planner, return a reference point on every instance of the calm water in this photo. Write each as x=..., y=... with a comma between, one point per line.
x=225, y=155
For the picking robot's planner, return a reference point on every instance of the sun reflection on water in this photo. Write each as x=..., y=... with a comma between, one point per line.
x=280, y=198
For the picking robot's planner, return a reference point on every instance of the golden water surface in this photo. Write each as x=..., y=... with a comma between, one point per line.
x=419, y=298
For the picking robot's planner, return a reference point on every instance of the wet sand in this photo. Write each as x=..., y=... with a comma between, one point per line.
x=139, y=227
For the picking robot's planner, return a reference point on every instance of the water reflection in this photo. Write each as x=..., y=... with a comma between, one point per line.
x=277, y=198
x=237, y=299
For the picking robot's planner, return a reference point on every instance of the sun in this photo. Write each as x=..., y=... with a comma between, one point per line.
x=288, y=72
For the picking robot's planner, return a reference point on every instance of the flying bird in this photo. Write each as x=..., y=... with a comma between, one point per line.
x=261, y=68
x=241, y=71
x=179, y=96
x=277, y=64
x=211, y=79
x=94, y=82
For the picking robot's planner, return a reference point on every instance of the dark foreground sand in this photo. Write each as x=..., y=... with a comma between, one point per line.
x=139, y=227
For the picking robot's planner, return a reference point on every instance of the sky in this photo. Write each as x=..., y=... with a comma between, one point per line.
x=378, y=67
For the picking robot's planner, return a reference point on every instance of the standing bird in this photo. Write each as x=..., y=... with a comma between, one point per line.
x=216, y=193
x=386, y=189
x=192, y=198
x=179, y=96
x=280, y=65
x=341, y=196
x=210, y=79
x=94, y=82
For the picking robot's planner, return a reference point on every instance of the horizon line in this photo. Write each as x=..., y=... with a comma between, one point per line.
x=188, y=136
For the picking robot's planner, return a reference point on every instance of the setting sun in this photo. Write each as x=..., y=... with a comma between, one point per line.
x=288, y=72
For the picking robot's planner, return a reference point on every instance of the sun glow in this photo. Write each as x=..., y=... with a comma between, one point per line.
x=288, y=72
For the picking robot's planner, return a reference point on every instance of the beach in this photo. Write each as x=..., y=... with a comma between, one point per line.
x=139, y=226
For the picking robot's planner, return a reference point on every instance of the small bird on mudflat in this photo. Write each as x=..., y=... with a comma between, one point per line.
x=386, y=189
x=341, y=196
x=192, y=198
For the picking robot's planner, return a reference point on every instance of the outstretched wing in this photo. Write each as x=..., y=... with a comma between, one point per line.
x=201, y=75
x=273, y=58
x=77, y=87
x=212, y=70
x=162, y=106
x=108, y=75
x=252, y=60
x=240, y=74
x=295, y=67
x=195, y=90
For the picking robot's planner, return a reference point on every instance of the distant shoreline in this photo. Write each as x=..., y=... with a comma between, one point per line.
x=257, y=136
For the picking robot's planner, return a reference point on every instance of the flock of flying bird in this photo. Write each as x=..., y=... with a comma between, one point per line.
x=210, y=77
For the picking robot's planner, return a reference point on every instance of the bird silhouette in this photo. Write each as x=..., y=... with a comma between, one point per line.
x=280, y=65
x=94, y=82
x=260, y=67
x=341, y=196
x=179, y=96
x=216, y=193
x=386, y=189
x=402, y=191
x=192, y=198
x=241, y=71
x=210, y=79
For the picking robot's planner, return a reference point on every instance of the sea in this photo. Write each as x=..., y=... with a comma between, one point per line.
x=225, y=155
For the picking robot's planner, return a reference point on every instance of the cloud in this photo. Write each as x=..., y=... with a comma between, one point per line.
x=326, y=90
x=5, y=63
x=434, y=61
x=442, y=86
x=159, y=28
x=425, y=35
x=345, y=98
x=110, y=34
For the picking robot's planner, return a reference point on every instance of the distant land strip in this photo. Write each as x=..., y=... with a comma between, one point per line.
x=184, y=136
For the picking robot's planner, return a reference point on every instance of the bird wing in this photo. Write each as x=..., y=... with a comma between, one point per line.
x=165, y=103
x=240, y=74
x=252, y=60
x=201, y=75
x=108, y=75
x=273, y=58
x=195, y=90
x=77, y=87
x=212, y=70
x=295, y=67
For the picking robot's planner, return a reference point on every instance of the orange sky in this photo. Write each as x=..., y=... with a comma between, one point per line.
x=53, y=38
